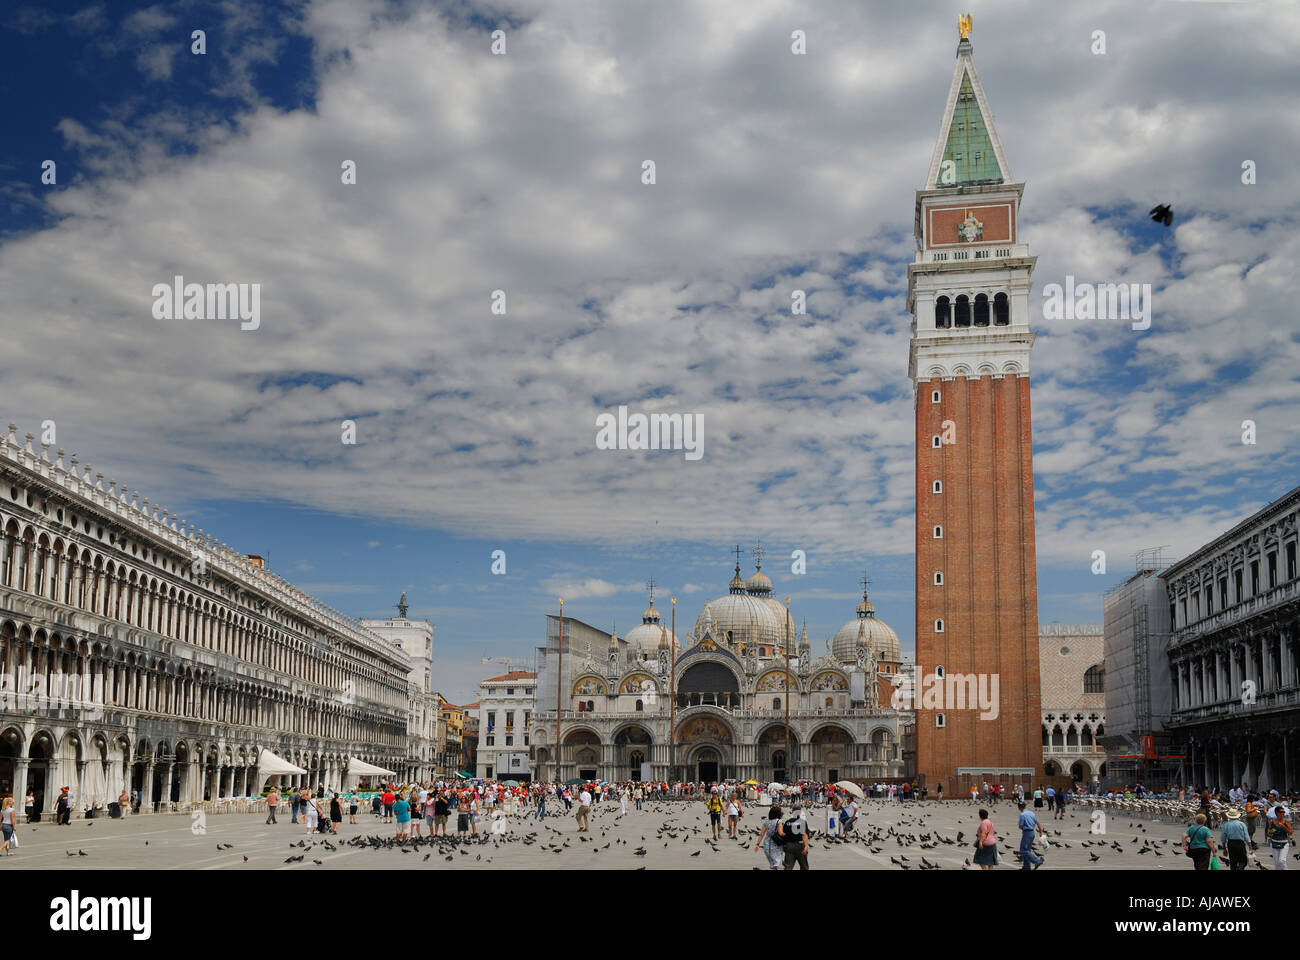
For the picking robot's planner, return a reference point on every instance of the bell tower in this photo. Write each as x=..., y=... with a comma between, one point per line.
x=976, y=589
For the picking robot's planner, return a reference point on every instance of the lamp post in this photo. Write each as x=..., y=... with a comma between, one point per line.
x=788, y=757
x=672, y=697
x=559, y=687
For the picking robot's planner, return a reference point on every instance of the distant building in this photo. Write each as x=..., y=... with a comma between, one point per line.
x=415, y=638
x=505, y=709
x=469, y=738
x=1138, y=687
x=449, y=757
x=1072, y=669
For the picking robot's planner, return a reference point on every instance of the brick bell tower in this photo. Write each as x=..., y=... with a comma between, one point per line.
x=976, y=590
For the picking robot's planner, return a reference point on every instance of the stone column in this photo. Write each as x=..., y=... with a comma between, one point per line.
x=146, y=787
x=166, y=795
x=20, y=785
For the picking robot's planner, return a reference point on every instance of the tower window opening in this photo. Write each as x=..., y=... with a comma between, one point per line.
x=938, y=626
x=943, y=313
x=935, y=398
x=963, y=311
x=981, y=310
x=938, y=720
x=938, y=533
x=1000, y=313
x=938, y=486
x=936, y=441
x=938, y=578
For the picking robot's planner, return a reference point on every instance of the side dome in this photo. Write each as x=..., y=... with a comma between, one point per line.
x=875, y=632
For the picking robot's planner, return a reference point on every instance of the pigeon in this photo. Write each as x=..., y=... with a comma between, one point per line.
x=1092, y=857
x=697, y=853
x=1162, y=213
x=317, y=862
x=246, y=859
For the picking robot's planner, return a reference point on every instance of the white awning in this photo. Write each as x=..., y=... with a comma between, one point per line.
x=359, y=768
x=269, y=765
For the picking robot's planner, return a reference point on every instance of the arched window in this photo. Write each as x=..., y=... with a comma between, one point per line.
x=830, y=702
x=776, y=703
x=591, y=705
x=963, y=311
x=1094, y=679
x=938, y=533
x=981, y=310
x=1001, y=315
x=935, y=397
x=938, y=486
x=942, y=313
x=938, y=626
x=938, y=578
x=640, y=706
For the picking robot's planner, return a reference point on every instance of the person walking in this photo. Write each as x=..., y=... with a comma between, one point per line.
x=794, y=839
x=352, y=806
x=1251, y=816
x=29, y=805
x=1235, y=840
x=123, y=803
x=7, y=826
x=622, y=800
x=769, y=840
x=272, y=801
x=1279, y=837
x=336, y=813
x=714, y=806
x=387, y=799
x=733, y=815
x=295, y=803
x=402, y=814
x=1029, y=825
x=986, y=843
x=312, y=815
x=541, y=804
x=1198, y=843
x=584, y=811
x=638, y=795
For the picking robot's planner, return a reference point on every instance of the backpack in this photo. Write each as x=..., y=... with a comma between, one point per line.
x=795, y=829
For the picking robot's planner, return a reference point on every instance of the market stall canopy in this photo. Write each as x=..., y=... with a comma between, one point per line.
x=269, y=765
x=361, y=768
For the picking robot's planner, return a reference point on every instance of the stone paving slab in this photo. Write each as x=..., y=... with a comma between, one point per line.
x=673, y=835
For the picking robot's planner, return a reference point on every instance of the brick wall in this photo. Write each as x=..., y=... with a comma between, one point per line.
x=988, y=600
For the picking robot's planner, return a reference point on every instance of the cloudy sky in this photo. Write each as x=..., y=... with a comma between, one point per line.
x=522, y=173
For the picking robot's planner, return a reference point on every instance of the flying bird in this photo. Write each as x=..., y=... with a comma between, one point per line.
x=1163, y=213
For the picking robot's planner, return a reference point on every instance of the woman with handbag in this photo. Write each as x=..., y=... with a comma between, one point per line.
x=986, y=843
x=1198, y=843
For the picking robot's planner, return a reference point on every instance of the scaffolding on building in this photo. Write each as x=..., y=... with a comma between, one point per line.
x=1146, y=764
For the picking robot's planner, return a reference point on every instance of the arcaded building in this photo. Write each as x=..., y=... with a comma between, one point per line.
x=139, y=653
x=1072, y=665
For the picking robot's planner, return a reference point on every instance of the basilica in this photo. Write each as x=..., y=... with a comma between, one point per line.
x=741, y=697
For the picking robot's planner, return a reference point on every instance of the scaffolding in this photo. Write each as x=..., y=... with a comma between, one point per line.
x=1143, y=763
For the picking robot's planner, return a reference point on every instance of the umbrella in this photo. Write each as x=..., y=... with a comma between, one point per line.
x=776, y=786
x=751, y=783
x=574, y=782
x=511, y=783
x=848, y=786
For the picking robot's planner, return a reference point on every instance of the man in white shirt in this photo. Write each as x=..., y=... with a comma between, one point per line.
x=584, y=810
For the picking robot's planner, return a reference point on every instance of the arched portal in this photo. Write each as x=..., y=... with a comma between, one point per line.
x=582, y=750
x=830, y=752
x=632, y=745
x=708, y=684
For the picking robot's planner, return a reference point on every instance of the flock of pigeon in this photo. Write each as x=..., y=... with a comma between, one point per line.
x=908, y=843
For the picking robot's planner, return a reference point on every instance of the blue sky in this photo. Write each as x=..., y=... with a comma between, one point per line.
x=522, y=173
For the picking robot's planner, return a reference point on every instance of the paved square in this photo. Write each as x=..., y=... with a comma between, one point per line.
x=673, y=835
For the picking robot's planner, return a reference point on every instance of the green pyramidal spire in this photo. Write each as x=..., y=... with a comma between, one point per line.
x=969, y=147
x=968, y=150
